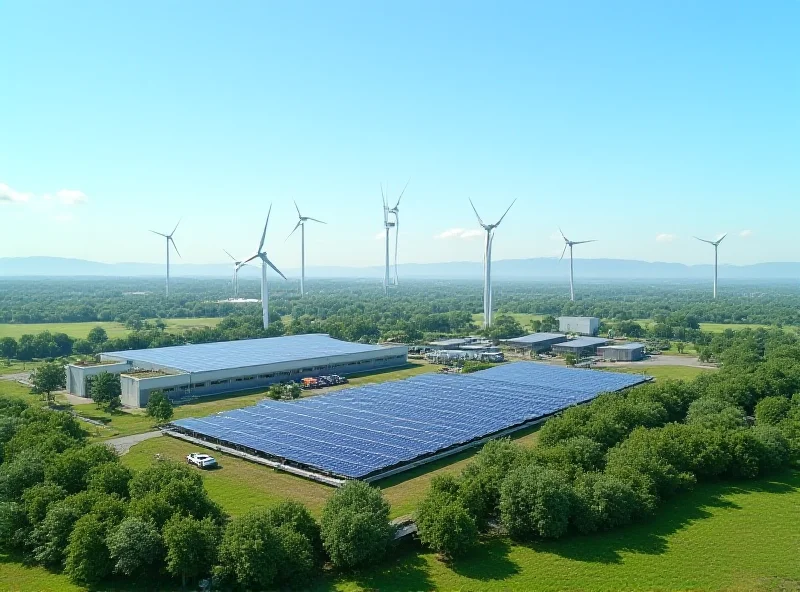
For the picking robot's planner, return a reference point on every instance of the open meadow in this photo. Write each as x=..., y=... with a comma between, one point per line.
x=81, y=330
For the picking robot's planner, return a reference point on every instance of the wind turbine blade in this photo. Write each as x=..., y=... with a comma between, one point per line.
x=278, y=271
x=158, y=233
x=401, y=193
x=264, y=234
x=504, y=215
x=704, y=240
x=315, y=220
x=229, y=255
x=719, y=240
x=594, y=240
x=175, y=247
x=562, y=252
x=299, y=215
x=477, y=215
x=299, y=222
x=246, y=261
x=176, y=227
x=566, y=240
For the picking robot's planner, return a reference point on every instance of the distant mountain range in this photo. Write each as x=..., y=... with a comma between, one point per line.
x=543, y=268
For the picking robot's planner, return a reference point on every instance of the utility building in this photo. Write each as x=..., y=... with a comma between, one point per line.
x=535, y=342
x=581, y=325
x=580, y=347
x=626, y=352
x=186, y=372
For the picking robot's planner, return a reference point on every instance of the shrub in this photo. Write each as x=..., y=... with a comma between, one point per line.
x=479, y=486
x=536, y=502
x=159, y=406
x=87, y=557
x=444, y=524
x=771, y=410
x=355, y=525
x=135, y=547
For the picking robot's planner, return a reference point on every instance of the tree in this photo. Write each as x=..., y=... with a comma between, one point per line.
x=445, y=525
x=135, y=547
x=771, y=410
x=191, y=546
x=535, y=502
x=97, y=336
x=276, y=391
x=355, y=525
x=159, y=406
x=250, y=553
x=111, y=478
x=8, y=348
x=106, y=390
x=83, y=347
x=37, y=500
x=47, y=378
x=87, y=557
x=294, y=391
x=680, y=346
x=570, y=359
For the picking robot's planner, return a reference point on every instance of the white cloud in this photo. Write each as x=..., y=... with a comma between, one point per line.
x=459, y=233
x=64, y=218
x=69, y=197
x=380, y=235
x=9, y=195
x=746, y=233
x=665, y=237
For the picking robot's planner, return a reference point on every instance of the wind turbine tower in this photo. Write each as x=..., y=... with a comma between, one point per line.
x=716, y=246
x=169, y=240
x=387, y=225
x=301, y=223
x=396, y=211
x=237, y=265
x=487, y=264
x=261, y=254
x=570, y=244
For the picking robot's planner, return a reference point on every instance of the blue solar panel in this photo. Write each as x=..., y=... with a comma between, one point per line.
x=223, y=355
x=359, y=431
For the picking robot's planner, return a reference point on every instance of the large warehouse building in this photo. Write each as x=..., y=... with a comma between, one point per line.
x=535, y=342
x=188, y=371
x=580, y=346
x=624, y=352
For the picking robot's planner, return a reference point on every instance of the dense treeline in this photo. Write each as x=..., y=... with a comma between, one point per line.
x=70, y=505
x=420, y=305
x=613, y=461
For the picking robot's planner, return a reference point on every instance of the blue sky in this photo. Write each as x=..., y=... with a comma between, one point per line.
x=636, y=123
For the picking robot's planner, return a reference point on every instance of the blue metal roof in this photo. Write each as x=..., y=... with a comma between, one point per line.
x=582, y=342
x=535, y=338
x=625, y=346
x=224, y=355
x=359, y=431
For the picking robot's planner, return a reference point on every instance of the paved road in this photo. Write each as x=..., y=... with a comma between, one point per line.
x=123, y=444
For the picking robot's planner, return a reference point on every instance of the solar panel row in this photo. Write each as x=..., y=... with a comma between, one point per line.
x=359, y=431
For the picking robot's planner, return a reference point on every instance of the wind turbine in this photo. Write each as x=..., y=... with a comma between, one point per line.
x=387, y=225
x=261, y=254
x=169, y=240
x=301, y=223
x=487, y=264
x=570, y=244
x=237, y=265
x=716, y=245
x=396, y=211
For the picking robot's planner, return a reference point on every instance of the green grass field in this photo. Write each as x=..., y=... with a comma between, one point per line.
x=720, y=537
x=522, y=318
x=81, y=330
x=663, y=372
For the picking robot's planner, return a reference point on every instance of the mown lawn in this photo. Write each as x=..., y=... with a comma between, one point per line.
x=523, y=318
x=720, y=537
x=663, y=372
x=81, y=330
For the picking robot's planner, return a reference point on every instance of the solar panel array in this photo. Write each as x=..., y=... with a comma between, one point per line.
x=204, y=357
x=364, y=430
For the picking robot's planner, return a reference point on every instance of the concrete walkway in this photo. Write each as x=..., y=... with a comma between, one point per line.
x=124, y=443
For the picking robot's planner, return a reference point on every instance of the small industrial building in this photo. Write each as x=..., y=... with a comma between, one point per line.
x=581, y=325
x=624, y=352
x=186, y=372
x=535, y=342
x=465, y=343
x=580, y=347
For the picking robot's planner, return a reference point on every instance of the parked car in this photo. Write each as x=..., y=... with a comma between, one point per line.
x=201, y=461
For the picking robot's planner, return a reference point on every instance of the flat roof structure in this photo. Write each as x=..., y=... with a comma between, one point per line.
x=632, y=346
x=582, y=342
x=375, y=430
x=534, y=338
x=208, y=357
